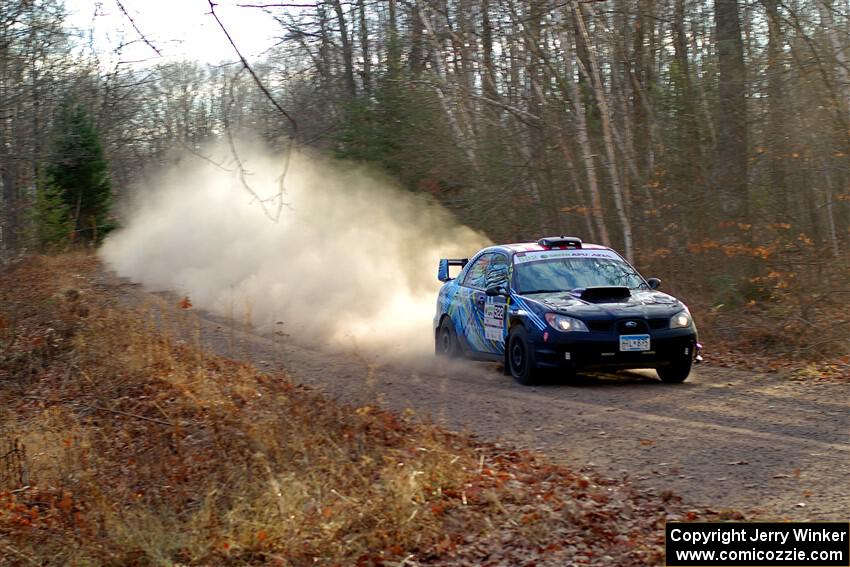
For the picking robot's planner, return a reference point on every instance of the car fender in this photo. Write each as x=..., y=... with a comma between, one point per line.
x=522, y=309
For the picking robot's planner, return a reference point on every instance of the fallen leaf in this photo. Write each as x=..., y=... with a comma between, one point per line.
x=66, y=503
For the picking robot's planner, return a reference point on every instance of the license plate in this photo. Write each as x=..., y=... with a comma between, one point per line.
x=631, y=343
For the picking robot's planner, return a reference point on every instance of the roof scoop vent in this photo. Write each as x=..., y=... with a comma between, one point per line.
x=560, y=241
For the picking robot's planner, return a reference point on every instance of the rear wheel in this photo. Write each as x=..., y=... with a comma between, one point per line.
x=446, y=344
x=520, y=357
x=676, y=373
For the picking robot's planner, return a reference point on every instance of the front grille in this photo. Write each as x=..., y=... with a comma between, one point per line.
x=662, y=323
x=639, y=327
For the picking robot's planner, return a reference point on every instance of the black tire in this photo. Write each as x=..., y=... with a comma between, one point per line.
x=676, y=373
x=445, y=342
x=520, y=357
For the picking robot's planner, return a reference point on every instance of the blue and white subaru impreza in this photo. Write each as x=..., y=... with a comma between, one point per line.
x=561, y=303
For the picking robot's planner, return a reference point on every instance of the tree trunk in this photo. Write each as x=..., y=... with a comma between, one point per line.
x=587, y=154
x=364, y=48
x=775, y=127
x=450, y=108
x=732, y=130
x=393, y=47
x=416, y=59
x=842, y=70
x=347, y=57
x=607, y=135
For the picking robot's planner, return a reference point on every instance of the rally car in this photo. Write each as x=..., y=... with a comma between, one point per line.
x=562, y=304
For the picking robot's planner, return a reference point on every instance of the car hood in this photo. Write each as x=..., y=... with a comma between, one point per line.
x=640, y=303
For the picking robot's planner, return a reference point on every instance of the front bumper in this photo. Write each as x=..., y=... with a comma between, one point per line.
x=602, y=350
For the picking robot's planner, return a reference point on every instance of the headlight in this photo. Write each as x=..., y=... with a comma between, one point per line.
x=680, y=320
x=564, y=323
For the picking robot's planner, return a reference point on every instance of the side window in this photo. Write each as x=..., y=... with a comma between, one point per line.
x=497, y=272
x=477, y=275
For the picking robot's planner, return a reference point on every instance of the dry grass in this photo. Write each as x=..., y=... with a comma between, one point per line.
x=123, y=446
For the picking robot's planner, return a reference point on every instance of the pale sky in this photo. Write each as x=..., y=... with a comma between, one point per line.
x=180, y=29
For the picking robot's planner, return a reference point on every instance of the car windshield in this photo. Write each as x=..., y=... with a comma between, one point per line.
x=564, y=274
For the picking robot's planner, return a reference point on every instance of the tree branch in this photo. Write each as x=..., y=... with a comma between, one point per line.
x=135, y=27
x=254, y=76
x=276, y=6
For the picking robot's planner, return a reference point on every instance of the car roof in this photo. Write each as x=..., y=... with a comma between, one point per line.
x=535, y=247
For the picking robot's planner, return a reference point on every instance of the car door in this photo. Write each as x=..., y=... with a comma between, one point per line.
x=468, y=317
x=485, y=315
x=491, y=311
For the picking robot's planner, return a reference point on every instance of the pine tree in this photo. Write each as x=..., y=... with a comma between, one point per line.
x=51, y=217
x=79, y=171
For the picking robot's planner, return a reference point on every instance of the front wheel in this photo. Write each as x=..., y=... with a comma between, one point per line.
x=676, y=373
x=446, y=344
x=520, y=357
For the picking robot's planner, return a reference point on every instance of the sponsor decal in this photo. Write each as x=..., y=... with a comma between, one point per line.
x=494, y=321
x=554, y=254
x=532, y=316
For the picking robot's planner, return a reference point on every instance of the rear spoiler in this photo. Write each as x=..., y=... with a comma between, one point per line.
x=443, y=268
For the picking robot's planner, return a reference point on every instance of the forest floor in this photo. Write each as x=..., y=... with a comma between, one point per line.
x=140, y=430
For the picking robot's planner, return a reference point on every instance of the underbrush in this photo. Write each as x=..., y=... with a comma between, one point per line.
x=122, y=445
x=767, y=308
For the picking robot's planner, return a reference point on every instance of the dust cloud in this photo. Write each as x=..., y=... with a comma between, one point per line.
x=351, y=262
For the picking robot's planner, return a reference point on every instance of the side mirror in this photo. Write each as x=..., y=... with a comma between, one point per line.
x=654, y=283
x=496, y=290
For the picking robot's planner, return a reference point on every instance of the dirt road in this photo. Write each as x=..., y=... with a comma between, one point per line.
x=723, y=439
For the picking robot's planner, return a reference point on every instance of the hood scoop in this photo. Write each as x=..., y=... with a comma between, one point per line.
x=602, y=294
